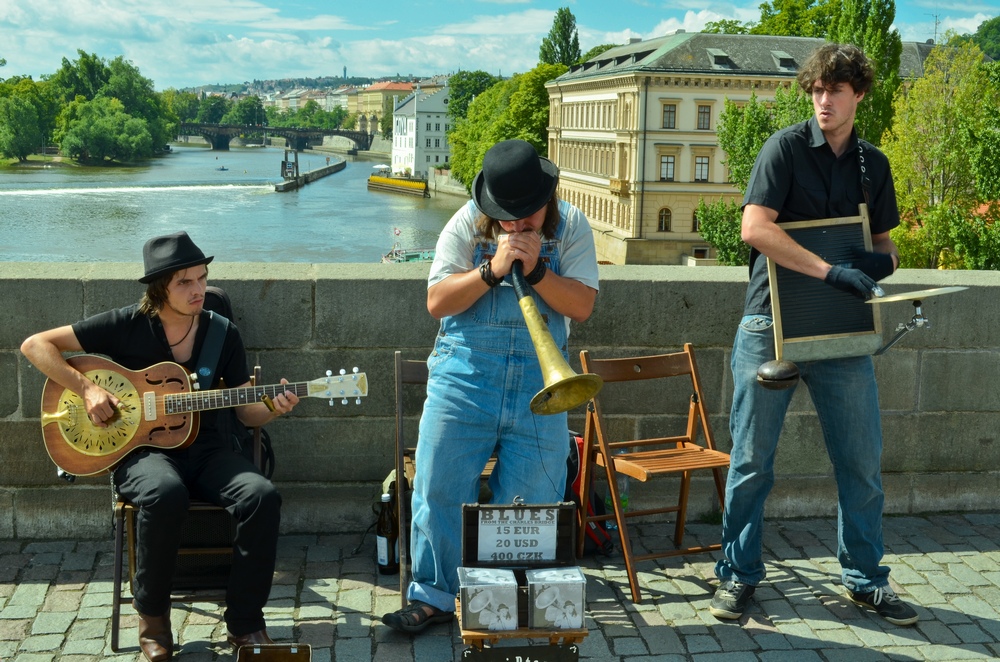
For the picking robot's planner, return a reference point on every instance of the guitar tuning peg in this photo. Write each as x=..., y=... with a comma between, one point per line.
x=357, y=401
x=343, y=372
x=344, y=401
x=329, y=373
x=195, y=384
x=355, y=370
x=331, y=402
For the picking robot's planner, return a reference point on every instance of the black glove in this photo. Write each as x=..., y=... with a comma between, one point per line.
x=852, y=281
x=876, y=265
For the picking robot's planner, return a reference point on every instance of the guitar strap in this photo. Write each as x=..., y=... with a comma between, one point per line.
x=211, y=350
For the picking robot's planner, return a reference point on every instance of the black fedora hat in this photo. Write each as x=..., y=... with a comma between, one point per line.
x=170, y=253
x=515, y=181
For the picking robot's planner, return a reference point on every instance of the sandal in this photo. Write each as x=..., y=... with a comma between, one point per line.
x=414, y=618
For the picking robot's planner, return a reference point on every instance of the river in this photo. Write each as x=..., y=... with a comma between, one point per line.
x=105, y=214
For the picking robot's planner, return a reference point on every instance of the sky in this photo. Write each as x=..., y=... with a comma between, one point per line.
x=188, y=43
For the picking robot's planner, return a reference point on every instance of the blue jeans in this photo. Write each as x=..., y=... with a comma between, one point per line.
x=845, y=395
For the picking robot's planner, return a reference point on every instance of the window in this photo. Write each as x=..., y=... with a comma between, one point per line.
x=664, y=223
x=700, y=252
x=437, y=142
x=704, y=117
x=666, y=168
x=428, y=142
x=437, y=127
x=428, y=126
x=701, y=168
x=437, y=158
x=670, y=116
x=694, y=222
x=447, y=127
x=428, y=158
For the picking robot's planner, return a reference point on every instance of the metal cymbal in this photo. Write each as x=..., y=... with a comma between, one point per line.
x=916, y=295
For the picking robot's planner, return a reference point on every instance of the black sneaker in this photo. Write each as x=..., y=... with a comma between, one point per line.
x=731, y=599
x=886, y=604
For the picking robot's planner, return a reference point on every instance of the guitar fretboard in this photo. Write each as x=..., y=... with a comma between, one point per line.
x=180, y=403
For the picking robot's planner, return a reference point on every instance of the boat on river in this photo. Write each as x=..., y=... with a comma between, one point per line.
x=400, y=254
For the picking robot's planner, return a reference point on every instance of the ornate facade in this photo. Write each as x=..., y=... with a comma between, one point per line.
x=633, y=133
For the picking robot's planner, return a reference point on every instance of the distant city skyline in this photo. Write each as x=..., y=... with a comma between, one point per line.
x=190, y=43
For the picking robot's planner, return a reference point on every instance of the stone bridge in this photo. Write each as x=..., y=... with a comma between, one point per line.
x=219, y=135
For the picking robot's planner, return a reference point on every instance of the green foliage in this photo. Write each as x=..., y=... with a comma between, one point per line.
x=982, y=140
x=100, y=130
x=463, y=87
x=20, y=132
x=82, y=78
x=727, y=26
x=950, y=100
x=213, y=109
x=248, y=111
x=385, y=122
x=562, y=45
x=795, y=18
x=987, y=37
x=719, y=223
x=867, y=24
x=182, y=105
x=742, y=131
x=514, y=108
x=950, y=237
x=594, y=52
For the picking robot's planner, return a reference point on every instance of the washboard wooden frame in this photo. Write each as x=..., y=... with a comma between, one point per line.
x=813, y=321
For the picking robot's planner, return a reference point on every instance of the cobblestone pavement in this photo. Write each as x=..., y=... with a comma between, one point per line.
x=55, y=602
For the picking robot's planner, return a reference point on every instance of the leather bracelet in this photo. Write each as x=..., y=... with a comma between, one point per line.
x=486, y=272
x=537, y=274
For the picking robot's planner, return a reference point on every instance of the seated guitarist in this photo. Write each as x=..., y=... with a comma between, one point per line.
x=169, y=324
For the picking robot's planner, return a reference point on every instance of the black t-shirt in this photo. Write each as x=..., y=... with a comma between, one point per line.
x=137, y=341
x=798, y=175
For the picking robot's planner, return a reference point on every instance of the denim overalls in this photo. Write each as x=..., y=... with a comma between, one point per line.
x=483, y=372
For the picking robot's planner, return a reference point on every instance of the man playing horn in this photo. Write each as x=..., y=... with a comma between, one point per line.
x=484, y=371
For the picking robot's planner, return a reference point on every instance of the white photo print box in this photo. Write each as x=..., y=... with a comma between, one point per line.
x=556, y=597
x=489, y=598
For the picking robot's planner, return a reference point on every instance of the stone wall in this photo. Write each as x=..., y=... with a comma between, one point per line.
x=941, y=408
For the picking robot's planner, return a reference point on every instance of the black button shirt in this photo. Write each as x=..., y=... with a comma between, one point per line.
x=798, y=175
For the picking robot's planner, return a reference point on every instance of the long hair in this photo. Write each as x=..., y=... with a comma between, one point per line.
x=831, y=64
x=155, y=297
x=490, y=227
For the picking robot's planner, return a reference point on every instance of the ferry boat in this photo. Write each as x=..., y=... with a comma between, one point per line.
x=400, y=254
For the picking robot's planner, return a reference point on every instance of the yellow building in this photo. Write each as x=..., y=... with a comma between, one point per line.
x=633, y=133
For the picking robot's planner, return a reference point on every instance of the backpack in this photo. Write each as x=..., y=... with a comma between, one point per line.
x=597, y=540
x=227, y=422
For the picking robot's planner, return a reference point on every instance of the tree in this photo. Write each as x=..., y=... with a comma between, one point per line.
x=562, y=45
x=212, y=109
x=939, y=144
x=100, y=130
x=594, y=52
x=82, y=78
x=463, y=87
x=138, y=98
x=20, y=132
x=183, y=105
x=987, y=37
x=867, y=24
x=514, y=108
x=727, y=26
x=795, y=18
x=385, y=122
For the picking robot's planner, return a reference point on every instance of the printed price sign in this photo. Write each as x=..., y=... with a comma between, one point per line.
x=518, y=534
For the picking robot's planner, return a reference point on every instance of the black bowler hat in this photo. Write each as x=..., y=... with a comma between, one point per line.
x=515, y=181
x=170, y=253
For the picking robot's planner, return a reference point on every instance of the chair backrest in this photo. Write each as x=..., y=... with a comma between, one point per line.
x=408, y=373
x=655, y=398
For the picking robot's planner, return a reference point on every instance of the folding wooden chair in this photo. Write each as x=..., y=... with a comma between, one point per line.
x=644, y=459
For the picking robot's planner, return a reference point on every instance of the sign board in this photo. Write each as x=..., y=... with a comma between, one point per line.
x=551, y=653
x=511, y=536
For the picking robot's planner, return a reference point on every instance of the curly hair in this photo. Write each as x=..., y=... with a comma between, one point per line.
x=490, y=227
x=831, y=64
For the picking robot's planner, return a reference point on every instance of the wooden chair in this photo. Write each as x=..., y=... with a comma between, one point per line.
x=409, y=373
x=644, y=459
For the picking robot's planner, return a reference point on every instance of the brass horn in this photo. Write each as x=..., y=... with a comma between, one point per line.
x=564, y=388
